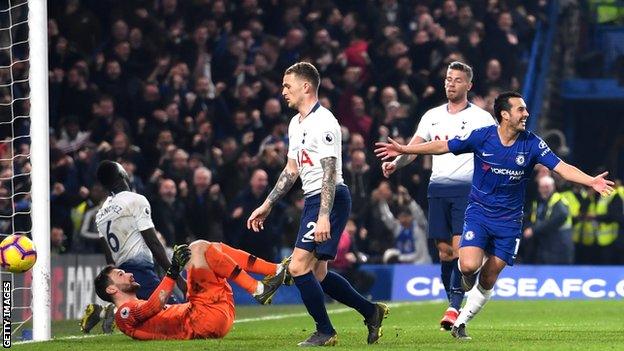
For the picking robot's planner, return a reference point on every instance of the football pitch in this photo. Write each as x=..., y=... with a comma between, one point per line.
x=502, y=325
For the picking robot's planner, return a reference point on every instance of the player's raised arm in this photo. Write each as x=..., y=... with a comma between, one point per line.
x=158, y=298
x=285, y=181
x=573, y=174
x=388, y=150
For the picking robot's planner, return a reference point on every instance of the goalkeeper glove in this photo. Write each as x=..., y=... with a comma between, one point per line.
x=181, y=255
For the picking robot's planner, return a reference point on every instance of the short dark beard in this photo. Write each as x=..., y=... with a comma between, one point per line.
x=132, y=288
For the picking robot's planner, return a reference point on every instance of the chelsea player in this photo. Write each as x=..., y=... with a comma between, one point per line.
x=451, y=176
x=504, y=157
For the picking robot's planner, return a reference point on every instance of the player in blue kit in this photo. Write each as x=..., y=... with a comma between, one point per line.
x=449, y=184
x=504, y=157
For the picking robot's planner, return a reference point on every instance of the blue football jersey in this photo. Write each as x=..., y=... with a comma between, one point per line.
x=501, y=172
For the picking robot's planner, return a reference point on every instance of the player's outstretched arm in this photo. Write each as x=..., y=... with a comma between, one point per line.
x=573, y=174
x=402, y=160
x=285, y=181
x=392, y=149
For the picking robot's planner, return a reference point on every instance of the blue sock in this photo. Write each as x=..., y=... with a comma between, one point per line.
x=447, y=269
x=457, y=292
x=339, y=289
x=314, y=301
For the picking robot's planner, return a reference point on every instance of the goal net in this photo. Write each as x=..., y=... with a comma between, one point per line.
x=24, y=167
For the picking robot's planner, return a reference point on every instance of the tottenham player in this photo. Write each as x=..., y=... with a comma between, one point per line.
x=209, y=312
x=314, y=153
x=505, y=156
x=450, y=177
x=128, y=239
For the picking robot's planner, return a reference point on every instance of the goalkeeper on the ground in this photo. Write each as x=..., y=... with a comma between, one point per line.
x=209, y=312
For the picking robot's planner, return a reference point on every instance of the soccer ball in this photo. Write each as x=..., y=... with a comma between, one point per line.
x=17, y=254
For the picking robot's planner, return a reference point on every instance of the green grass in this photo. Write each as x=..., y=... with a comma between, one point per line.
x=503, y=325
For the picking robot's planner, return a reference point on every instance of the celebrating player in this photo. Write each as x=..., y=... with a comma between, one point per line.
x=450, y=178
x=504, y=158
x=128, y=239
x=314, y=153
x=209, y=312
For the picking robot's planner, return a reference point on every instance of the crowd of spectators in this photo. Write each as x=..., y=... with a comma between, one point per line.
x=186, y=96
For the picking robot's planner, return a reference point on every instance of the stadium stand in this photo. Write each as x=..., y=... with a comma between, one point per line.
x=169, y=87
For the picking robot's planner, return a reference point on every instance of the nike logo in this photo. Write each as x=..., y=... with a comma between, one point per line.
x=485, y=154
x=304, y=240
x=434, y=123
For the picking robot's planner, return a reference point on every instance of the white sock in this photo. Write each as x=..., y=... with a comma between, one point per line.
x=476, y=300
x=259, y=289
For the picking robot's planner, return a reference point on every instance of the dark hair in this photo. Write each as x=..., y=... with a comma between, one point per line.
x=501, y=103
x=103, y=281
x=307, y=71
x=460, y=66
x=108, y=174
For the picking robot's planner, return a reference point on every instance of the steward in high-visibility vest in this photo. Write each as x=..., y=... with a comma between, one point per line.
x=551, y=223
x=609, y=216
x=619, y=242
x=581, y=205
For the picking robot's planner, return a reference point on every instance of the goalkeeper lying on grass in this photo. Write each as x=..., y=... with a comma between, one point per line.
x=209, y=312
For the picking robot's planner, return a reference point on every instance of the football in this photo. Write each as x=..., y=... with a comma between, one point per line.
x=17, y=253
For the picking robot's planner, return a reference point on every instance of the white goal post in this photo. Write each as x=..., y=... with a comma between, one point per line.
x=39, y=133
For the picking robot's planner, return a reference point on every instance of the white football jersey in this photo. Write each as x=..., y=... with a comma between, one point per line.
x=120, y=221
x=439, y=124
x=316, y=137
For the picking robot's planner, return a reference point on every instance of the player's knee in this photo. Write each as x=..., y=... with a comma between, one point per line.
x=320, y=270
x=199, y=243
x=445, y=256
x=445, y=252
x=199, y=247
x=298, y=268
x=469, y=267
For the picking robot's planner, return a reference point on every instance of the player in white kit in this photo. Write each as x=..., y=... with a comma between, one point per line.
x=128, y=239
x=315, y=155
x=451, y=177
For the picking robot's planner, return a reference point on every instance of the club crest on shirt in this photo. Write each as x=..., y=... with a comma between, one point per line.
x=329, y=138
x=469, y=235
x=125, y=312
x=520, y=160
x=147, y=211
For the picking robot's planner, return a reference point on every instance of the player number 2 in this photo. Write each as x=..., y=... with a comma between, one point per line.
x=309, y=235
x=111, y=238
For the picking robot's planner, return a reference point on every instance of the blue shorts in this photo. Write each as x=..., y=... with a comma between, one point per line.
x=145, y=274
x=500, y=238
x=337, y=219
x=446, y=216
